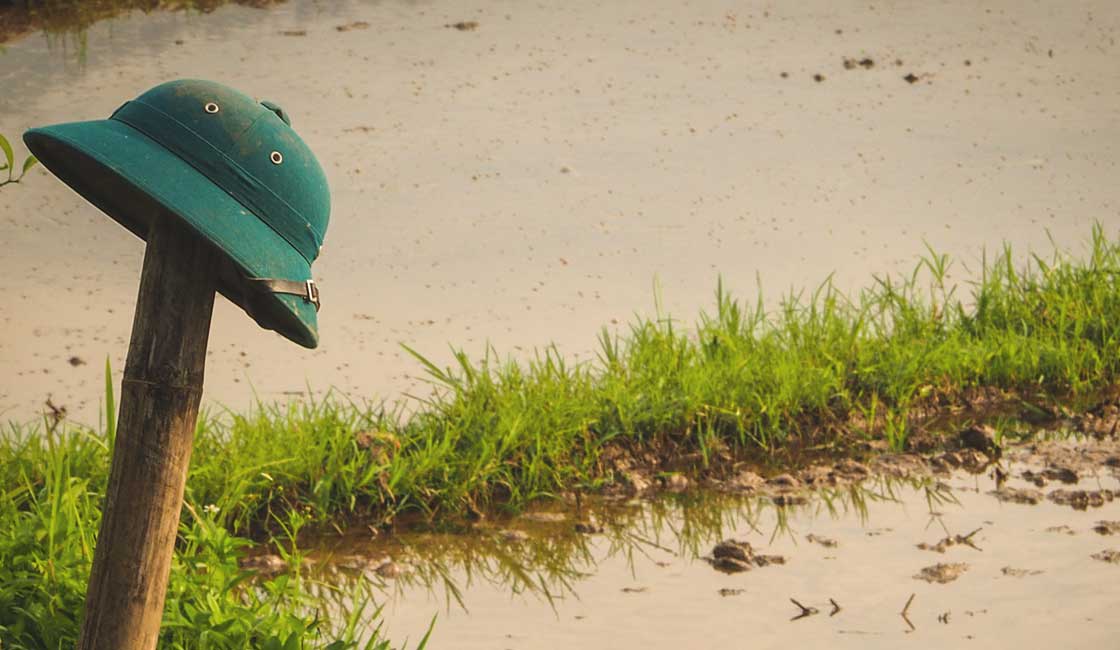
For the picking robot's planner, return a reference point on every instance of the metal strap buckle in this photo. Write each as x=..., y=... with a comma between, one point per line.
x=312, y=295
x=305, y=289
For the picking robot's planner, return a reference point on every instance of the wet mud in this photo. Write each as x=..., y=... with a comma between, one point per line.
x=921, y=557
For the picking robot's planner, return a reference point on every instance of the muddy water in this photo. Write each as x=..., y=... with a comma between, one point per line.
x=1029, y=580
x=531, y=179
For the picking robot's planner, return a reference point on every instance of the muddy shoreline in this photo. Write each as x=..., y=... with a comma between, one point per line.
x=790, y=548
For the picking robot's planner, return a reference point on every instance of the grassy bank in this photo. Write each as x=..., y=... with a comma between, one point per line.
x=823, y=370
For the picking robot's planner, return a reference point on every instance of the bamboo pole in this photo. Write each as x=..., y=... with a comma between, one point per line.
x=158, y=410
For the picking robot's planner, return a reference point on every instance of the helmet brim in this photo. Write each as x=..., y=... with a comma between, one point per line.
x=135, y=181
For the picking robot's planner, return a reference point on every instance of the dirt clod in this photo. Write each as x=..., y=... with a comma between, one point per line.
x=789, y=499
x=725, y=592
x=1111, y=556
x=1080, y=499
x=735, y=556
x=464, y=25
x=1017, y=495
x=787, y=481
x=76, y=361
x=942, y=573
x=390, y=570
x=981, y=438
x=911, y=78
x=267, y=564
x=1107, y=528
x=676, y=483
x=746, y=481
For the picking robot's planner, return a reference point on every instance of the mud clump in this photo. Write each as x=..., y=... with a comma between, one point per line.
x=1066, y=475
x=589, y=527
x=464, y=25
x=1107, y=528
x=1111, y=556
x=981, y=438
x=725, y=592
x=785, y=500
x=675, y=482
x=852, y=63
x=1017, y=495
x=1080, y=499
x=969, y=460
x=911, y=78
x=268, y=564
x=746, y=481
x=942, y=573
x=900, y=465
x=735, y=556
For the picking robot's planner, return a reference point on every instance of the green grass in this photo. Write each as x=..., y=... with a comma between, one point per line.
x=822, y=369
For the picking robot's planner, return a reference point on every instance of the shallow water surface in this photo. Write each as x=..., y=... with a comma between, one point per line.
x=531, y=179
x=1031, y=579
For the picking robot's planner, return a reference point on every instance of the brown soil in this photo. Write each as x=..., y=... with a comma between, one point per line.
x=942, y=573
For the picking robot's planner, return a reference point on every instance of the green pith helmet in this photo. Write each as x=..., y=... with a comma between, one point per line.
x=228, y=166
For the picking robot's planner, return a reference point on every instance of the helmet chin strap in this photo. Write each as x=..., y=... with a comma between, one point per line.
x=305, y=289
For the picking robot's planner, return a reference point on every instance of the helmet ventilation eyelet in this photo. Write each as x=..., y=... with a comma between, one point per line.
x=276, y=157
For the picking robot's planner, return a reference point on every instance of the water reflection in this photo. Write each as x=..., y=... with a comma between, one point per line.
x=542, y=555
x=71, y=18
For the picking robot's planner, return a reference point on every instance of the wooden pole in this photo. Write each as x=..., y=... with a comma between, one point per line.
x=159, y=407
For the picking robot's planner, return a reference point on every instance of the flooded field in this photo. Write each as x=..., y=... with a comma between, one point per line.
x=517, y=175
x=533, y=174
x=929, y=561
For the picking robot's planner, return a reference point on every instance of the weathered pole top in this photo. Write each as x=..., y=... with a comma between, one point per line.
x=226, y=165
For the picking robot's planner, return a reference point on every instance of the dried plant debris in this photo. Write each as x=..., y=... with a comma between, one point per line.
x=1017, y=495
x=1019, y=573
x=349, y=27
x=805, y=611
x=1112, y=556
x=1107, y=527
x=736, y=556
x=464, y=25
x=942, y=572
x=1081, y=499
x=726, y=591
x=952, y=540
x=1061, y=529
x=826, y=542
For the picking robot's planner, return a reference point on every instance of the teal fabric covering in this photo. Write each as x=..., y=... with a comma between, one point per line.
x=230, y=167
